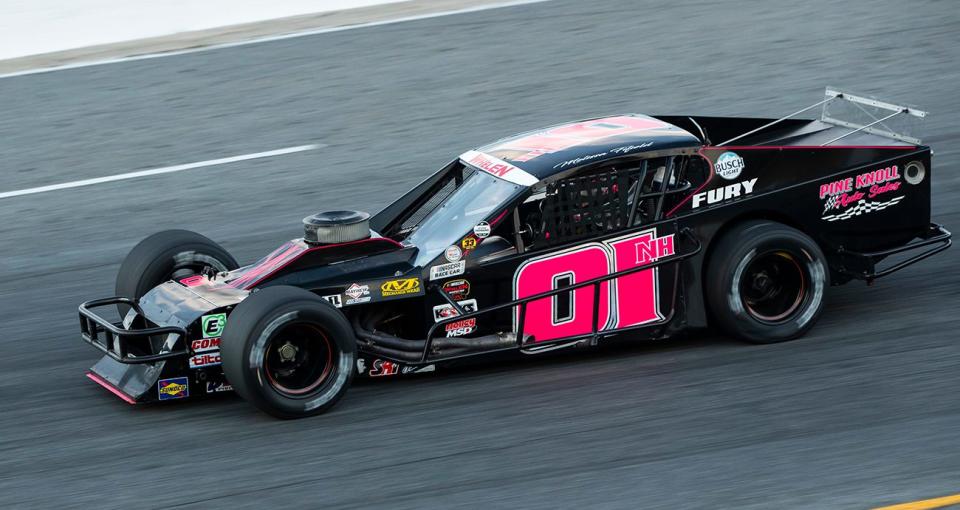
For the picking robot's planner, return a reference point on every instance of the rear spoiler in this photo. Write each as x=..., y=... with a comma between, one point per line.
x=878, y=112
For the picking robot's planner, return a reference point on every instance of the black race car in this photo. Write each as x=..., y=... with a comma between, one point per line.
x=559, y=238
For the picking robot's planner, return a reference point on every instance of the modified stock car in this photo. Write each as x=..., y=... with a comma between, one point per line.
x=629, y=225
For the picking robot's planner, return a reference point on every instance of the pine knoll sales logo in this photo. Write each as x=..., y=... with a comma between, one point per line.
x=846, y=193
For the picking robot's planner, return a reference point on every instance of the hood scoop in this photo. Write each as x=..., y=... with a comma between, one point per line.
x=333, y=227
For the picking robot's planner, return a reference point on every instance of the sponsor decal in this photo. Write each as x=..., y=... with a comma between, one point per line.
x=845, y=198
x=212, y=325
x=400, y=287
x=447, y=270
x=457, y=289
x=361, y=365
x=461, y=328
x=193, y=281
x=205, y=345
x=498, y=167
x=355, y=291
x=170, y=389
x=453, y=253
x=469, y=243
x=729, y=165
x=205, y=360
x=418, y=370
x=218, y=387
x=446, y=310
x=724, y=193
x=382, y=367
x=491, y=165
x=482, y=230
x=357, y=294
x=334, y=299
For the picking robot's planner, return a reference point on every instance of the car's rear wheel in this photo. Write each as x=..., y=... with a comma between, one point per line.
x=169, y=255
x=765, y=282
x=288, y=352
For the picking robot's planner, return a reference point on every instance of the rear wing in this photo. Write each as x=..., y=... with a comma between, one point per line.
x=857, y=113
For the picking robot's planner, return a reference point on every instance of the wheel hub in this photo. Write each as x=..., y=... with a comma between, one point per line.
x=773, y=286
x=287, y=352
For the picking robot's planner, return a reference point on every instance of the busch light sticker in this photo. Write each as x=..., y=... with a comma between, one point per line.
x=729, y=165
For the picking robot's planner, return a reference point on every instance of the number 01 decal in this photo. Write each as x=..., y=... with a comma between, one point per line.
x=624, y=301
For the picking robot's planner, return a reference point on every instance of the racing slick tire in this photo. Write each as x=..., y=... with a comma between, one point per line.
x=166, y=255
x=288, y=352
x=766, y=282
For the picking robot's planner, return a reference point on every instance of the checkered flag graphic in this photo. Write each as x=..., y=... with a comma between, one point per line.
x=831, y=203
x=863, y=208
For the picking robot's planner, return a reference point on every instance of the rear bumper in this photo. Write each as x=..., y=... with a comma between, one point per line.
x=863, y=266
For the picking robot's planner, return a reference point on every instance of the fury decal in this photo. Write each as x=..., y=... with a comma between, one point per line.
x=625, y=301
x=724, y=193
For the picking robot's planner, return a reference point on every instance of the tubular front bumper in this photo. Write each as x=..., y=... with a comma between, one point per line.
x=113, y=338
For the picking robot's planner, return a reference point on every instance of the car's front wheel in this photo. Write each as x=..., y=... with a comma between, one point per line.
x=169, y=255
x=288, y=352
x=766, y=282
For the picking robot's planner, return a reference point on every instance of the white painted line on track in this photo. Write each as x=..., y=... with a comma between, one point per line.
x=158, y=171
x=305, y=33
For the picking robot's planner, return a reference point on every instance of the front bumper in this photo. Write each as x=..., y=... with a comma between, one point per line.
x=117, y=338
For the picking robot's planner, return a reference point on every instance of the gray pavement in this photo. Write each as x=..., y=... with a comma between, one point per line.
x=862, y=412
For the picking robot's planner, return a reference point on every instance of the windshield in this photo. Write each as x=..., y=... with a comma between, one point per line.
x=478, y=197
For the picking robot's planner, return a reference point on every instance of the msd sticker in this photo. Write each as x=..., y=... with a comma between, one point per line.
x=212, y=325
x=729, y=165
x=461, y=328
x=171, y=389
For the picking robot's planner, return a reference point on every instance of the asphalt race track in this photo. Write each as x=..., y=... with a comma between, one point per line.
x=862, y=412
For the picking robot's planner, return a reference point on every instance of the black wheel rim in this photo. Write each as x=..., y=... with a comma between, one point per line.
x=298, y=359
x=773, y=286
